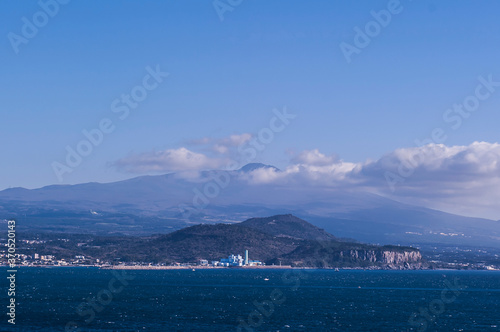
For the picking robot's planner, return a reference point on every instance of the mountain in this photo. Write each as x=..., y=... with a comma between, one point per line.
x=288, y=226
x=217, y=241
x=254, y=166
x=164, y=203
x=213, y=242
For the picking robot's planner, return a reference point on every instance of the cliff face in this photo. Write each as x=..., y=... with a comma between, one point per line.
x=391, y=257
x=385, y=256
x=351, y=255
x=408, y=259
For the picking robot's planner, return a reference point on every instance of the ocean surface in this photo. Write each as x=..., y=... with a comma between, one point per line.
x=91, y=299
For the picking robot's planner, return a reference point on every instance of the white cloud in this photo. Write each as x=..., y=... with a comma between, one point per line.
x=439, y=163
x=458, y=179
x=314, y=157
x=215, y=153
x=169, y=160
x=221, y=149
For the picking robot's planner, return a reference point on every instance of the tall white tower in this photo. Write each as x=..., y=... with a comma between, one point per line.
x=246, y=257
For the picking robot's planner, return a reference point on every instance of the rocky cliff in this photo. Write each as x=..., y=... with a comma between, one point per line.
x=344, y=254
x=403, y=258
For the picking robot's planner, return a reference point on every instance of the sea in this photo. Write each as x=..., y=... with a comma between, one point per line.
x=93, y=299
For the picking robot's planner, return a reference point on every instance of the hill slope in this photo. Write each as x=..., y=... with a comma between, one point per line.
x=288, y=226
x=213, y=242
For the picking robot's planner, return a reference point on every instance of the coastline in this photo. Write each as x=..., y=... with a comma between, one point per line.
x=269, y=267
x=138, y=267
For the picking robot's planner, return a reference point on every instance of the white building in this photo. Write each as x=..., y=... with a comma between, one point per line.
x=237, y=260
x=232, y=260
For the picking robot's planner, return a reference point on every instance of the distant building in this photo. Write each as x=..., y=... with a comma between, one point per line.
x=203, y=262
x=237, y=260
x=232, y=260
x=255, y=263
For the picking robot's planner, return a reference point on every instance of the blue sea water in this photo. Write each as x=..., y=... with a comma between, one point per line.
x=91, y=299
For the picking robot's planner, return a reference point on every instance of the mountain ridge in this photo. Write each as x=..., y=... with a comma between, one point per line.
x=152, y=204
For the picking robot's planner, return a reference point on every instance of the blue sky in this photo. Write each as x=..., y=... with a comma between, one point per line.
x=226, y=77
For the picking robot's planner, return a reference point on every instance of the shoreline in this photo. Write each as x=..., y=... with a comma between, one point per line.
x=138, y=267
x=267, y=267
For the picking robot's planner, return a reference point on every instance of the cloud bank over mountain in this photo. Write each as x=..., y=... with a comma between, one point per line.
x=458, y=179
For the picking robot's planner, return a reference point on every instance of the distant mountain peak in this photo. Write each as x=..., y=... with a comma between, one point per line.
x=288, y=225
x=253, y=166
